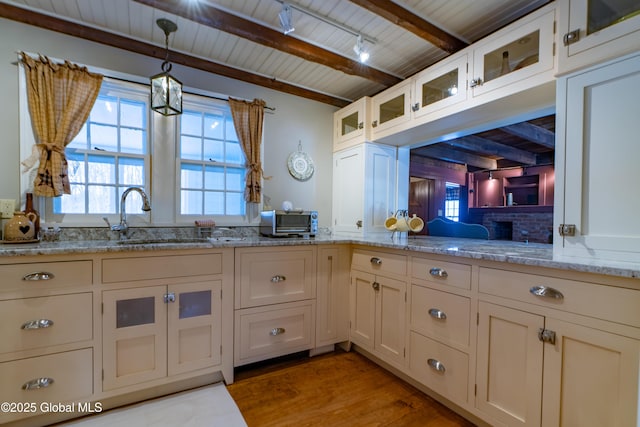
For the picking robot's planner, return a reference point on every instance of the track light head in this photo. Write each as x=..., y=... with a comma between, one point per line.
x=359, y=49
x=286, y=19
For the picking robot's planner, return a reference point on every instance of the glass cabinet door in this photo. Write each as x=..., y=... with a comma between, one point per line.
x=512, y=56
x=194, y=326
x=593, y=31
x=350, y=124
x=134, y=336
x=391, y=107
x=440, y=86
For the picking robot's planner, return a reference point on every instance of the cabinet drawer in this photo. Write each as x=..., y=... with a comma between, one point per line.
x=443, y=274
x=71, y=372
x=441, y=368
x=30, y=323
x=379, y=262
x=160, y=267
x=440, y=314
x=266, y=332
x=45, y=275
x=274, y=276
x=600, y=301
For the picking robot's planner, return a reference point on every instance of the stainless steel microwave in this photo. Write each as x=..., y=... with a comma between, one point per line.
x=279, y=223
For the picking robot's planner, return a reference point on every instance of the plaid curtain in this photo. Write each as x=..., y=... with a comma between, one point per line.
x=248, y=118
x=61, y=97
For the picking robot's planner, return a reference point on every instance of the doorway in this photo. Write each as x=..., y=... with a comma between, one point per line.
x=422, y=199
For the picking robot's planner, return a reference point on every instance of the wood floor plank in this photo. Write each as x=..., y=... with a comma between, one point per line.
x=339, y=390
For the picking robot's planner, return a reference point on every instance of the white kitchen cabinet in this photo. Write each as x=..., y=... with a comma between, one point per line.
x=163, y=317
x=352, y=124
x=439, y=87
x=364, y=188
x=596, y=203
x=509, y=377
x=391, y=109
x=555, y=351
x=47, y=329
x=378, y=305
x=158, y=331
x=517, y=57
x=594, y=31
x=332, y=295
x=275, y=302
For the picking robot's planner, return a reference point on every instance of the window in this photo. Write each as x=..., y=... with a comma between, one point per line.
x=452, y=201
x=109, y=154
x=212, y=172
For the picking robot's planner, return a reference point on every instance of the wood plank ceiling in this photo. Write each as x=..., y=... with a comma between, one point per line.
x=242, y=39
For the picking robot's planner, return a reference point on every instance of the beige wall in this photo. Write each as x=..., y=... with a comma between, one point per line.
x=295, y=118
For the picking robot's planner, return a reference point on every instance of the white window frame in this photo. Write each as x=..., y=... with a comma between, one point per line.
x=162, y=131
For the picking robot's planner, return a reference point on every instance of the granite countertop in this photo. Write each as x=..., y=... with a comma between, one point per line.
x=532, y=254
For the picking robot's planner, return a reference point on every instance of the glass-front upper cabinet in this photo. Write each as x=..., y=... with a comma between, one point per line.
x=351, y=125
x=514, y=54
x=440, y=86
x=391, y=108
x=592, y=31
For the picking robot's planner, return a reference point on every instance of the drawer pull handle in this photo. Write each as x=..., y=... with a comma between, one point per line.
x=436, y=365
x=37, y=324
x=376, y=261
x=437, y=314
x=546, y=292
x=438, y=272
x=278, y=278
x=277, y=331
x=37, y=383
x=41, y=275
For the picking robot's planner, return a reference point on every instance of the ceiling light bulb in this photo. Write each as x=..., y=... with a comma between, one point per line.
x=286, y=19
x=363, y=55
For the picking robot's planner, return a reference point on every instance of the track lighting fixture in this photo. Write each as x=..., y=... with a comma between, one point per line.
x=359, y=49
x=286, y=21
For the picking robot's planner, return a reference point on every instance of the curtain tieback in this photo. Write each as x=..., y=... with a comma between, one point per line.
x=47, y=148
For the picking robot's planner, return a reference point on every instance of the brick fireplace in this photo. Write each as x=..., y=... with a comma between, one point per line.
x=517, y=223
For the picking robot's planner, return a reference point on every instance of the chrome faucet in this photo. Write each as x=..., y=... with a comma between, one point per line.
x=123, y=227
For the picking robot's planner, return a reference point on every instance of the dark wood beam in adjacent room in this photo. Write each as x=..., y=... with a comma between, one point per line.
x=409, y=21
x=486, y=146
x=533, y=133
x=213, y=17
x=103, y=37
x=438, y=151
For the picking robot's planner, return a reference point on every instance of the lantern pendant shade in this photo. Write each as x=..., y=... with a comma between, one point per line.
x=166, y=90
x=166, y=94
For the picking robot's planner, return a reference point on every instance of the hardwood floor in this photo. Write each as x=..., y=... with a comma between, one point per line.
x=336, y=389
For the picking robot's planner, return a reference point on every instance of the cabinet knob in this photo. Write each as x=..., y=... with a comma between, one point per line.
x=475, y=82
x=571, y=37
x=416, y=106
x=546, y=335
x=376, y=261
x=436, y=365
x=37, y=324
x=546, y=292
x=438, y=272
x=277, y=331
x=170, y=297
x=278, y=278
x=37, y=383
x=437, y=314
x=375, y=286
x=360, y=125
x=374, y=123
x=41, y=275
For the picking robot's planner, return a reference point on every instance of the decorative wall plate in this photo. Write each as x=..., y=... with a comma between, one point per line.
x=300, y=164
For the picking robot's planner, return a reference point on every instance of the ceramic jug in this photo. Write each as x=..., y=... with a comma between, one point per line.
x=20, y=227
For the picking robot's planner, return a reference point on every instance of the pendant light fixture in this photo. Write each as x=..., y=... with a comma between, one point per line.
x=166, y=90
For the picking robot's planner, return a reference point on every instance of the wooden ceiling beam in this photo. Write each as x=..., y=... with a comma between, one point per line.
x=486, y=146
x=88, y=33
x=533, y=133
x=437, y=151
x=403, y=18
x=213, y=17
